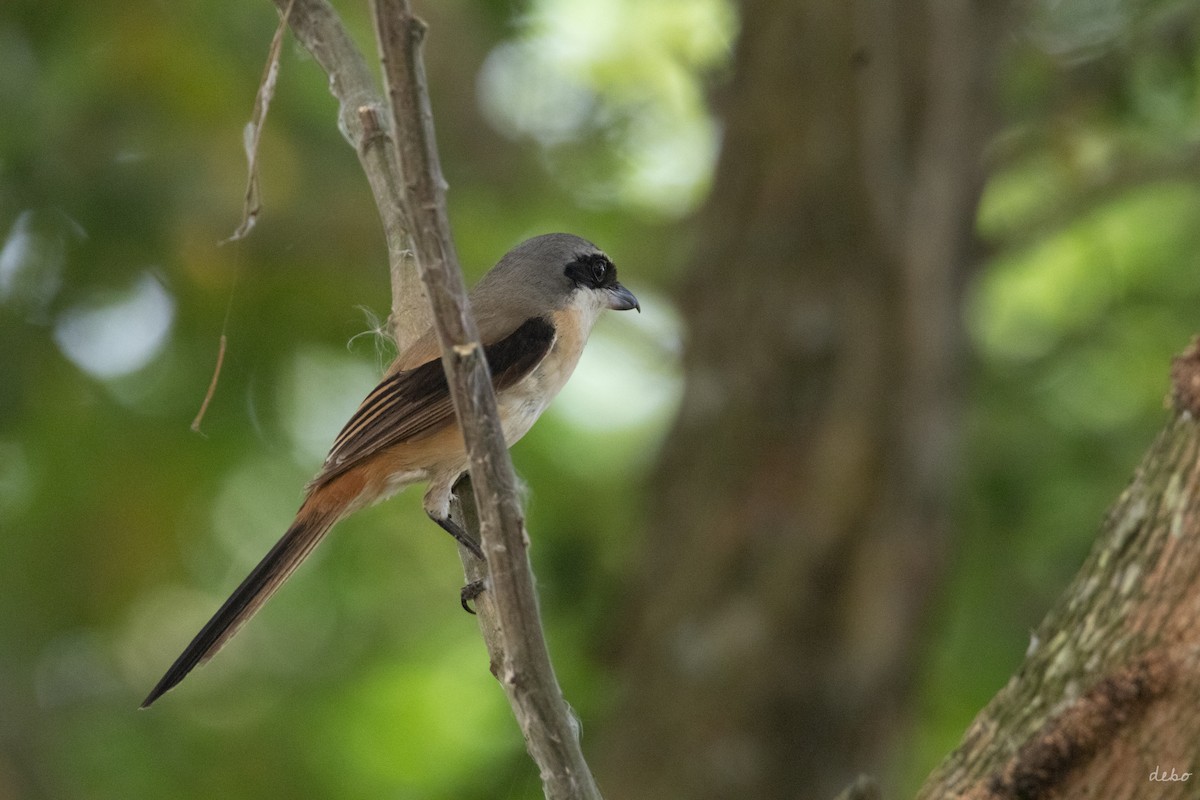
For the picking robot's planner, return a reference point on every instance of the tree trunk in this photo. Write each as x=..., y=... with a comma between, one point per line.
x=800, y=504
x=1105, y=703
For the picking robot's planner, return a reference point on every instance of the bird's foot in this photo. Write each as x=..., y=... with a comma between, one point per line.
x=470, y=592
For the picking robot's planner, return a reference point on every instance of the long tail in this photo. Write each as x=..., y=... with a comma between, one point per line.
x=306, y=532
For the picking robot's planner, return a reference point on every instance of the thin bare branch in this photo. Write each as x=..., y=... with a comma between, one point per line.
x=418, y=235
x=511, y=620
x=212, y=385
x=364, y=121
x=254, y=128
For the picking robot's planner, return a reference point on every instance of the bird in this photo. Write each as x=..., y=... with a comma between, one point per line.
x=534, y=311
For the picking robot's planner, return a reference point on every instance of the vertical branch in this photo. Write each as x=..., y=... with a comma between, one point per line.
x=423, y=262
x=520, y=658
x=363, y=120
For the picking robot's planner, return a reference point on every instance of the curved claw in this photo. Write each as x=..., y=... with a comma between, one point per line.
x=470, y=592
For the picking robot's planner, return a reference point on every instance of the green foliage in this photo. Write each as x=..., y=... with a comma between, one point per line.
x=120, y=170
x=1091, y=288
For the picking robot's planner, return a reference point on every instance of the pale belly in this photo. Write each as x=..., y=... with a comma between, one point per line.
x=521, y=404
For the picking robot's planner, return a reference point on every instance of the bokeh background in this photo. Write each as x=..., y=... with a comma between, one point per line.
x=121, y=171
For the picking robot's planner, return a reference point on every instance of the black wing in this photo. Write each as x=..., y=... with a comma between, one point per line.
x=416, y=402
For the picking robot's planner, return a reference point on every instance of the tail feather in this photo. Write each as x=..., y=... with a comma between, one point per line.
x=275, y=568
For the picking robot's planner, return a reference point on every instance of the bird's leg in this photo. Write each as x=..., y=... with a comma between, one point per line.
x=475, y=588
x=438, y=506
x=454, y=529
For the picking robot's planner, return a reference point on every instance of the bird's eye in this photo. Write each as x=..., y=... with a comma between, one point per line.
x=592, y=270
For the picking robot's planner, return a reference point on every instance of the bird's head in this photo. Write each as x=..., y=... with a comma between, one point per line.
x=556, y=271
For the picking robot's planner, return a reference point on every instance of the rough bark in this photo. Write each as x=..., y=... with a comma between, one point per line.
x=800, y=504
x=1105, y=703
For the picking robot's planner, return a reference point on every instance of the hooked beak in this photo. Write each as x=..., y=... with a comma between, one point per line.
x=621, y=299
